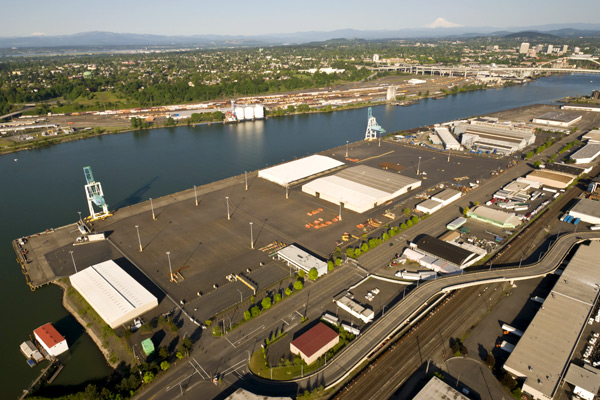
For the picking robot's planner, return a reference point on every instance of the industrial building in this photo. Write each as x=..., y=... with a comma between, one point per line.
x=429, y=206
x=581, y=107
x=301, y=260
x=243, y=394
x=586, y=381
x=113, y=293
x=552, y=178
x=293, y=171
x=447, y=196
x=586, y=154
x=449, y=141
x=457, y=223
x=586, y=210
x=360, y=188
x=562, y=119
x=438, y=389
x=356, y=309
x=31, y=352
x=494, y=217
x=484, y=134
x=441, y=256
x=315, y=342
x=592, y=136
x=544, y=351
x=53, y=342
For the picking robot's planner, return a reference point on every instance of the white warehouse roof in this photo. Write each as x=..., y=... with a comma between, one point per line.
x=360, y=188
x=113, y=293
x=301, y=259
x=293, y=171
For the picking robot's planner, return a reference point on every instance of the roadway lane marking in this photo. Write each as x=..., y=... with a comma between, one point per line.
x=230, y=342
x=180, y=382
x=233, y=367
x=196, y=361
x=196, y=369
x=288, y=324
x=262, y=327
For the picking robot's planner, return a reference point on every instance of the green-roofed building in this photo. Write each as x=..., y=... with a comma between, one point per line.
x=148, y=346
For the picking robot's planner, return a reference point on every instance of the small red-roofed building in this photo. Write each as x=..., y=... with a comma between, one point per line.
x=315, y=342
x=52, y=341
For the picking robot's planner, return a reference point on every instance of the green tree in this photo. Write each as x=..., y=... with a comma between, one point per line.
x=403, y=226
x=148, y=377
x=385, y=236
x=406, y=211
x=409, y=223
x=329, y=265
x=529, y=155
x=255, y=311
x=537, y=164
x=303, y=108
x=277, y=298
x=365, y=247
x=415, y=220
x=266, y=303
x=247, y=315
x=170, y=122
x=163, y=352
x=357, y=251
x=164, y=365
x=290, y=109
x=338, y=261
x=288, y=291
x=313, y=274
x=298, y=285
x=349, y=251
x=465, y=211
x=301, y=273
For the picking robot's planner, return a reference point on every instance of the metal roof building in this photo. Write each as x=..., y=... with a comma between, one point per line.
x=293, y=171
x=113, y=293
x=494, y=217
x=429, y=206
x=592, y=136
x=438, y=389
x=587, y=210
x=543, y=353
x=557, y=118
x=581, y=107
x=450, y=142
x=360, y=188
x=300, y=259
x=447, y=196
x=449, y=252
x=586, y=381
x=315, y=342
x=52, y=341
x=586, y=154
x=499, y=138
x=555, y=179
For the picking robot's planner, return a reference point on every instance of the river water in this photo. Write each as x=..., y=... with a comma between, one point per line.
x=44, y=189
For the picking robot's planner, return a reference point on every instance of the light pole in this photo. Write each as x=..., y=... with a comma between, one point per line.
x=340, y=213
x=419, y=166
x=347, y=147
x=137, y=228
x=152, y=207
x=241, y=298
x=287, y=191
x=196, y=195
x=80, y=221
x=246, y=179
x=73, y=258
x=170, y=268
x=251, y=236
x=227, y=200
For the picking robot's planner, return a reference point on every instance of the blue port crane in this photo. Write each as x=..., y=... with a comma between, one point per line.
x=95, y=196
x=373, y=127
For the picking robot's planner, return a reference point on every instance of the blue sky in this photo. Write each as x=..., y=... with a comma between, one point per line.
x=250, y=17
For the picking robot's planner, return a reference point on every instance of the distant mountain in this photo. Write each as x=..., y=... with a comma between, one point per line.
x=531, y=35
x=441, y=30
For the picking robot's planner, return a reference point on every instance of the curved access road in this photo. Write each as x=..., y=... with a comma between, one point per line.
x=408, y=311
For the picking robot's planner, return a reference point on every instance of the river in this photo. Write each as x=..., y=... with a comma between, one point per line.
x=44, y=189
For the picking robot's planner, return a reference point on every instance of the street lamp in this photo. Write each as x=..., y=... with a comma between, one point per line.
x=227, y=200
x=137, y=228
x=251, y=236
x=419, y=166
x=152, y=207
x=340, y=213
x=80, y=221
x=241, y=298
x=196, y=195
x=287, y=191
x=246, y=179
x=170, y=268
x=73, y=258
x=347, y=147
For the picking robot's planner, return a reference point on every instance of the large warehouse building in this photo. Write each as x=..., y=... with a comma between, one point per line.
x=494, y=217
x=543, y=353
x=494, y=137
x=294, y=171
x=441, y=256
x=554, y=179
x=113, y=293
x=586, y=154
x=301, y=260
x=360, y=188
x=587, y=210
x=315, y=342
x=562, y=119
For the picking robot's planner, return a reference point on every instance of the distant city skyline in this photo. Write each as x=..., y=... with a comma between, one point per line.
x=236, y=17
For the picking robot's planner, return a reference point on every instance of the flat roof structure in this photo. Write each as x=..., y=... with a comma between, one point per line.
x=543, y=353
x=567, y=168
x=438, y=389
x=592, y=136
x=587, y=210
x=52, y=341
x=494, y=217
x=447, y=138
x=242, y=394
x=490, y=136
x=429, y=206
x=449, y=252
x=555, y=179
x=557, y=118
x=315, y=342
x=581, y=107
x=587, y=153
x=300, y=259
x=293, y=171
x=586, y=380
x=457, y=223
x=113, y=293
x=364, y=314
x=360, y=188
x=447, y=196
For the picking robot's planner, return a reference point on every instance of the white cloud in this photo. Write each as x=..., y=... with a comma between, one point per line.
x=442, y=23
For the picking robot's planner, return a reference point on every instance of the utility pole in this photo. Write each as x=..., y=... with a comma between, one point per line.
x=347, y=142
x=246, y=179
x=137, y=228
x=196, y=195
x=227, y=200
x=152, y=207
x=73, y=258
x=251, y=236
x=170, y=268
x=419, y=166
x=340, y=213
